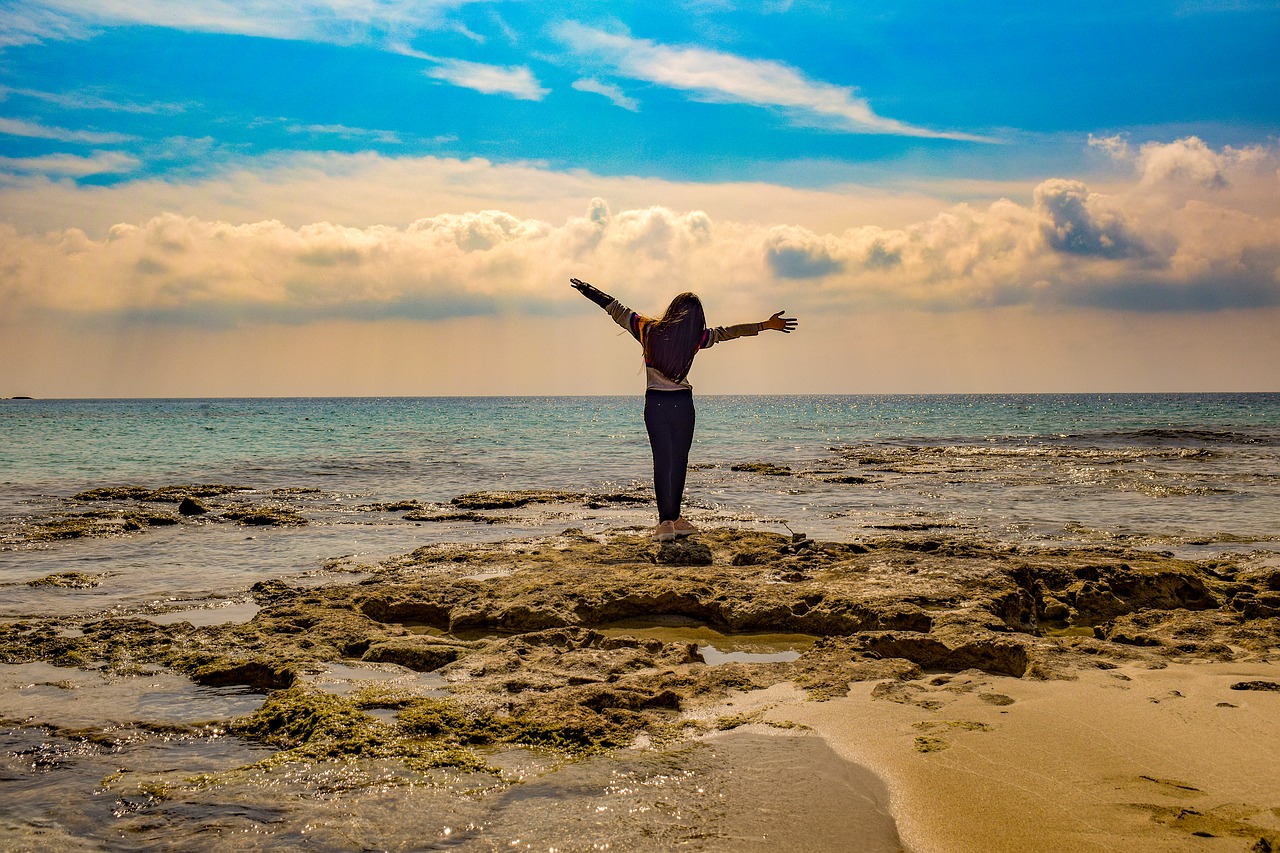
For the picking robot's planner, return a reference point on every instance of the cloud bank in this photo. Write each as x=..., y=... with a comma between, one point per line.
x=1184, y=235
x=723, y=77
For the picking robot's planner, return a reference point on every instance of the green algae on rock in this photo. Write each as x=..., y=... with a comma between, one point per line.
x=164, y=494
x=259, y=515
x=466, y=515
x=515, y=499
x=390, y=506
x=767, y=468
x=101, y=523
x=418, y=653
x=137, y=520
x=318, y=725
x=76, y=526
x=426, y=732
x=192, y=506
x=70, y=580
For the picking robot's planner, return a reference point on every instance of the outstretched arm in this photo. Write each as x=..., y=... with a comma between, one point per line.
x=621, y=314
x=596, y=295
x=781, y=324
x=777, y=322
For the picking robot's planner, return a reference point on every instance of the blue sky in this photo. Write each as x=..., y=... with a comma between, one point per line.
x=1062, y=155
x=398, y=85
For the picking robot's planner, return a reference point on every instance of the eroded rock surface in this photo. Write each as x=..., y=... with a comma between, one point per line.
x=532, y=653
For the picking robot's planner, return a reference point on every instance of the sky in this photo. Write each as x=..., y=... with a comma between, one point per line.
x=388, y=197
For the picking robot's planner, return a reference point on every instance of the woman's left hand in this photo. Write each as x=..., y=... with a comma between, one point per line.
x=781, y=324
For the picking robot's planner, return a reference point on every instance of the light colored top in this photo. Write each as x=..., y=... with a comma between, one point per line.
x=639, y=325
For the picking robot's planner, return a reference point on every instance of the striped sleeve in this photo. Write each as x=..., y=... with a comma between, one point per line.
x=633, y=322
x=719, y=334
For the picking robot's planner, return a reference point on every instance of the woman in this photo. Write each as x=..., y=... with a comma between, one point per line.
x=669, y=345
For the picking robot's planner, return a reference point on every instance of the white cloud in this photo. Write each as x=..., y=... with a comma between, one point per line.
x=518, y=81
x=88, y=101
x=385, y=136
x=1134, y=248
x=366, y=188
x=1187, y=162
x=70, y=165
x=383, y=23
x=1184, y=160
x=1117, y=145
x=610, y=91
x=31, y=23
x=17, y=127
x=716, y=76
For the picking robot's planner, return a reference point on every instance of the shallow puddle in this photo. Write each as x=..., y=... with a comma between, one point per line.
x=61, y=793
x=486, y=576
x=716, y=647
x=1069, y=631
x=734, y=791
x=40, y=693
x=218, y=614
x=343, y=679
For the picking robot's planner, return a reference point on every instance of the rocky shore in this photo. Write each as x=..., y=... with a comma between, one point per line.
x=570, y=644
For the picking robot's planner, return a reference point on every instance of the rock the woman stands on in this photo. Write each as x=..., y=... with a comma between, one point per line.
x=669, y=344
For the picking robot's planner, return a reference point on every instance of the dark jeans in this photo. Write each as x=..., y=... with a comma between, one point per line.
x=669, y=416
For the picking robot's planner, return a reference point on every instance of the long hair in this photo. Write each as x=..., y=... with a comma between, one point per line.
x=673, y=341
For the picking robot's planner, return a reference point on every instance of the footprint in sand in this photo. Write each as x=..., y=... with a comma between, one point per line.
x=1168, y=787
x=1232, y=820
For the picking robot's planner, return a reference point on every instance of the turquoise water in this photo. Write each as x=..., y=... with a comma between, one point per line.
x=452, y=443
x=1192, y=473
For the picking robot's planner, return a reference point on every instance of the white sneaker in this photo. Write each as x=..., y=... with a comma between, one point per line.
x=665, y=531
x=683, y=528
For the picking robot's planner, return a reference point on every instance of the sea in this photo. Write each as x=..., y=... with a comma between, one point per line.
x=1196, y=475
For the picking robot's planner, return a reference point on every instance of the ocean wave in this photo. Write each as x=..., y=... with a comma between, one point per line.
x=1003, y=454
x=1181, y=436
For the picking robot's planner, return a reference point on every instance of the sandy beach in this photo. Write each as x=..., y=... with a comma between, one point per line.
x=1131, y=758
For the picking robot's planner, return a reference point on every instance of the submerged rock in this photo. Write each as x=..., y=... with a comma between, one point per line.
x=264, y=516
x=164, y=494
x=70, y=580
x=767, y=468
x=513, y=500
x=114, y=493
x=76, y=525
x=467, y=515
x=192, y=506
x=390, y=506
x=138, y=520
